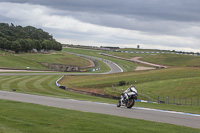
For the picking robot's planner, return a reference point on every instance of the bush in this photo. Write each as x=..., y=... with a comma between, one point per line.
x=121, y=83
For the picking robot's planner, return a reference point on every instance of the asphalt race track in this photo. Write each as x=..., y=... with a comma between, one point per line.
x=177, y=118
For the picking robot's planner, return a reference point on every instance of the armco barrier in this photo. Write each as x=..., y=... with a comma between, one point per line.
x=84, y=92
x=143, y=101
x=58, y=85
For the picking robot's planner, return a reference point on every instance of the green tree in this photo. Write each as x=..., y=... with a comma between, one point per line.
x=29, y=45
x=16, y=46
x=28, y=37
x=38, y=45
x=23, y=43
x=7, y=44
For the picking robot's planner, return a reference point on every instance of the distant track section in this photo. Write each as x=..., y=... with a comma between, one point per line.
x=113, y=66
x=135, y=61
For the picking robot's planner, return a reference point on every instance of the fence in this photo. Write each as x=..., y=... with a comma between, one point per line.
x=178, y=101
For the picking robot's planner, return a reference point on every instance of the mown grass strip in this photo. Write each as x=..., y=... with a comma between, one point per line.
x=10, y=84
x=14, y=83
x=51, y=86
x=26, y=84
x=41, y=88
x=44, y=85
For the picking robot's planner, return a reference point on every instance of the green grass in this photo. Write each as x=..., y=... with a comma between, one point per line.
x=126, y=55
x=45, y=85
x=23, y=117
x=125, y=65
x=138, y=77
x=164, y=59
x=11, y=61
x=145, y=50
x=174, y=60
x=180, y=87
x=178, y=82
x=148, y=82
x=58, y=57
x=21, y=61
x=178, y=108
x=103, y=67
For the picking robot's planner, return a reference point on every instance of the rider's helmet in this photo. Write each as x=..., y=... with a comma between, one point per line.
x=132, y=89
x=132, y=86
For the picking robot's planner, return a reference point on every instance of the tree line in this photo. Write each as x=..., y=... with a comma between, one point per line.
x=25, y=39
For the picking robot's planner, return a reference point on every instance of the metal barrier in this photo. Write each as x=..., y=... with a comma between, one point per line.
x=178, y=100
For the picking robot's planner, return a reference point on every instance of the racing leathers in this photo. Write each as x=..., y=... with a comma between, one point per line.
x=124, y=95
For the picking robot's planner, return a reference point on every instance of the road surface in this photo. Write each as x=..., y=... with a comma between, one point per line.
x=189, y=120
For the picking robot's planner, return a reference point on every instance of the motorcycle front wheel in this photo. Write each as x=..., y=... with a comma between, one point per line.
x=119, y=104
x=130, y=103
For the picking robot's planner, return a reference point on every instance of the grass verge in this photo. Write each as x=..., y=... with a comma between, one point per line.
x=22, y=118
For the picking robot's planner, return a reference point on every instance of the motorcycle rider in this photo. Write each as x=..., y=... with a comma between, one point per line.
x=124, y=95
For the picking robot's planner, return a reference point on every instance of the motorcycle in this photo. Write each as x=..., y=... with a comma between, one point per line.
x=129, y=103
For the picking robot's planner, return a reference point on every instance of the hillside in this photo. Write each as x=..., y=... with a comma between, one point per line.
x=163, y=58
x=21, y=61
x=178, y=82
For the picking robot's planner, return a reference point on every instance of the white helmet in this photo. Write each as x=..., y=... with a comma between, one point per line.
x=132, y=88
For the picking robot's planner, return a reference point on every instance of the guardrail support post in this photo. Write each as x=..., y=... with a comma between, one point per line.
x=185, y=101
x=168, y=99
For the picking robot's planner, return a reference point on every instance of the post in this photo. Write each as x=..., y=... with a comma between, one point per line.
x=158, y=99
x=168, y=99
x=163, y=99
x=185, y=101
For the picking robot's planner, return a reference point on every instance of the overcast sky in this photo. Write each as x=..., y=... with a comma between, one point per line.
x=152, y=24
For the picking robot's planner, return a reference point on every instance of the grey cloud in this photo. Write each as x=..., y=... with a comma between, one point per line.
x=150, y=16
x=178, y=10
x=146, y=26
